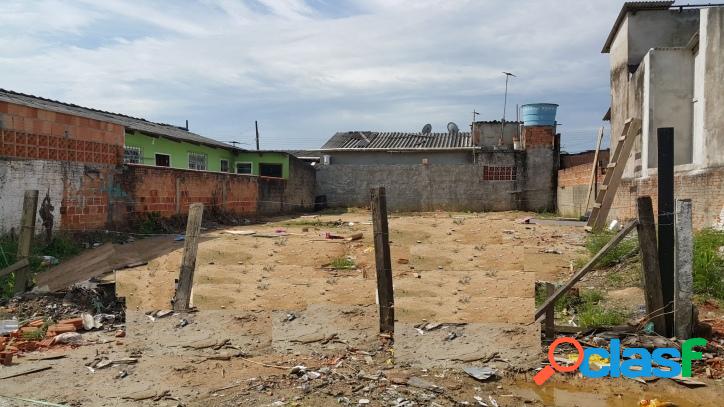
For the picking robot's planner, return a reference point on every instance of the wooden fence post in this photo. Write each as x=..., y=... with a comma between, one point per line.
x=383, y=262
x=666, y=221
x=27, y=231
x=182, y=299
x=550, y=321
x=684, y=287
x=650, y=259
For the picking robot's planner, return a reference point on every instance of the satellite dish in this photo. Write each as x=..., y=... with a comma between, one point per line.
x=452, y=128
x=427, y=129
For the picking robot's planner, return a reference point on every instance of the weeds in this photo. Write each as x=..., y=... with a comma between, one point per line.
x=587, y=307
x=342, y=263
x=596, y=241
x=709, y=263
x=62, y=246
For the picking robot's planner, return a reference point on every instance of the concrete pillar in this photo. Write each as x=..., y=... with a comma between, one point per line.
x=684, y=290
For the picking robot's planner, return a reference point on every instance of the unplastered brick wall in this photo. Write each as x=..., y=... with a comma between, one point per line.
x=578, y=175
x=27, y=132
x=86, y=196
x=705, y=188
x=169, y=191
x=538, y=136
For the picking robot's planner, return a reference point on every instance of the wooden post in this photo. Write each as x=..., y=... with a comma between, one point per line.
x=27, y=230
x=666, y=221
x=684, y=288
x=593, y=184
x=550, y=321
x=382, y=259
x=649, y=257
x=178, y=196
x=182, y=299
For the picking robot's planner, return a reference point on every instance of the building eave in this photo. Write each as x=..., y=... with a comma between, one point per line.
x=632, y=6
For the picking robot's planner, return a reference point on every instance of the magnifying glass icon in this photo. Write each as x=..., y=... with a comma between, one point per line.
x=545, y=374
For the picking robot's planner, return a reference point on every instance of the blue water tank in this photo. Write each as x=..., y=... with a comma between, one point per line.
x=539, y=114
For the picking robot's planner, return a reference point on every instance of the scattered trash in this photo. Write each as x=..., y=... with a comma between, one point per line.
x=70, y=338
x=179, y=238
x=656, y=403
x=48, y=261
x=481, y=373
x=402, y=261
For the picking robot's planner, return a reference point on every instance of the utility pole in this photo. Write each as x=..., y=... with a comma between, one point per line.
x=505, y=105
x=256, y=126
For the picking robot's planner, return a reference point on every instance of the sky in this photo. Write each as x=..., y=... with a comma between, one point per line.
x=306, y=69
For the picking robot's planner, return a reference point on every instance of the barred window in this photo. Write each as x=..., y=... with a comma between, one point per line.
x=132, y=155
x=243, y=168
x=197, y=161
x=499, y=173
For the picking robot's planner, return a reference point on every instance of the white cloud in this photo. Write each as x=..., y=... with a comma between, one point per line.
x=305, y=71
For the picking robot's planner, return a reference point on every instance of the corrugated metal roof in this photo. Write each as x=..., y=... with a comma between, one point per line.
x=130, y=123
x=632, y=6
x=368, y=140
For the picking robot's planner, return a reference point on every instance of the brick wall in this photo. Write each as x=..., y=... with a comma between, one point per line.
x=572, y=160
x=169, y=191
x=704, y=187
x=538, y=136
x=27, y=132
x=573, y=184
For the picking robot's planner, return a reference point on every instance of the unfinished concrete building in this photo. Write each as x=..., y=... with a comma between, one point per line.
x=666, y=70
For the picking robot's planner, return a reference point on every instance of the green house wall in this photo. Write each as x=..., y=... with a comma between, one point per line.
x=179, y=154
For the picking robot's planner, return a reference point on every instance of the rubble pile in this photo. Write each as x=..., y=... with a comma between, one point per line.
x=36, y=322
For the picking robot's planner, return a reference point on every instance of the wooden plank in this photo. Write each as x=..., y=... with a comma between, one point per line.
x=616, y=174
x=594, y=169
x=606, y=178
x=550, y=321
x=14, y=267
x=684, y=289
x=182, y=299
x=88, y=264
x=587, y=268
x=650, y=260
x=383, y=263
x=27, y=231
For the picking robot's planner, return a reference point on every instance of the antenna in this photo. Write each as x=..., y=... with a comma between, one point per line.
x=452, y=128
x=505, y=104
x=427, y=129
x=256, y=126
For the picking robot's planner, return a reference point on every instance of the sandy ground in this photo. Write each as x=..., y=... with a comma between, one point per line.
x=269, y=303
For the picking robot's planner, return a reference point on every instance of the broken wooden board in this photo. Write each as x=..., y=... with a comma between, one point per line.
x=102, y=260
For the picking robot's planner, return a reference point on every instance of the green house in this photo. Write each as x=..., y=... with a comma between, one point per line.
x=175, y=147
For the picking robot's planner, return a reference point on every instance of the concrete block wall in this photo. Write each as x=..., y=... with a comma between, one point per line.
x=461, y=187
x=295, y=194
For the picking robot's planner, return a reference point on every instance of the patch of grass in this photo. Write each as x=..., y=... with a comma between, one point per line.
x=62, y=246
x=596, y=241
x=546, y=215
x=708, y=270
x=314, y=223
x=596, y=315
x=343, y=263
x=150, y=223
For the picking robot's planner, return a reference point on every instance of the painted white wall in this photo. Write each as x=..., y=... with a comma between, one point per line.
x=16, y=176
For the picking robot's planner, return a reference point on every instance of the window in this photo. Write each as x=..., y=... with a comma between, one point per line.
x=163, y=160
x=132, y=155
x=243, y=168
x=270, y=170
x=224, y=165
x=197, y=161
x=491, y=173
